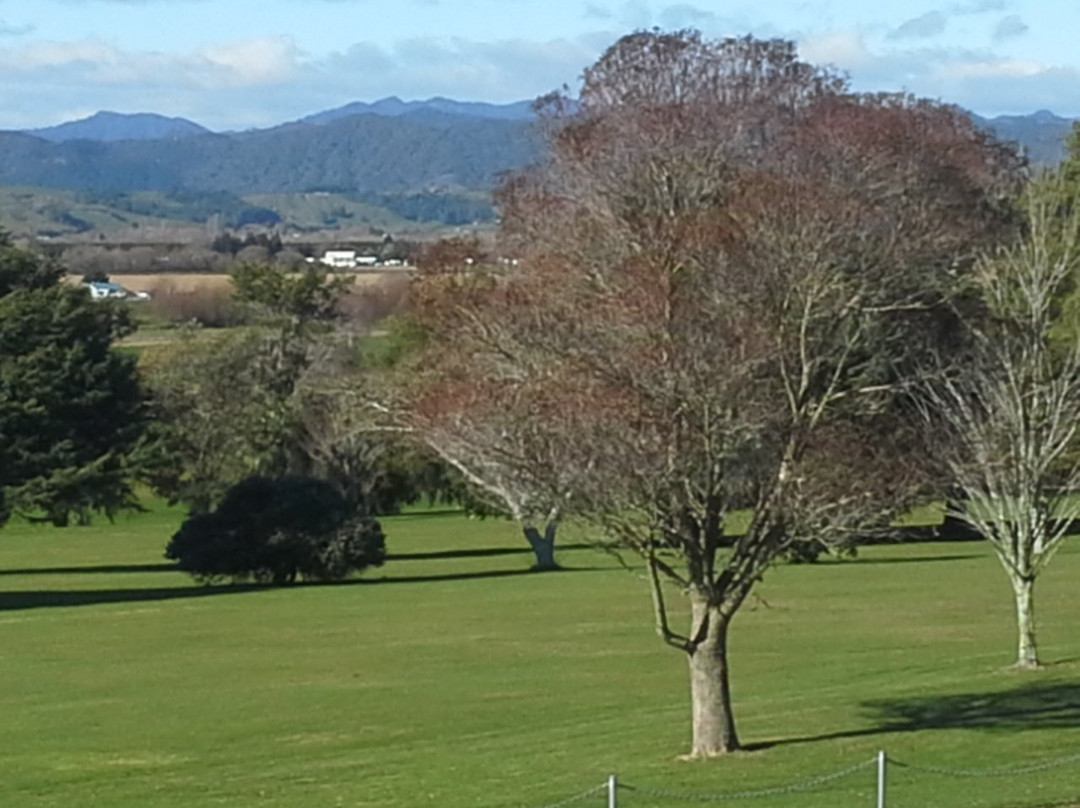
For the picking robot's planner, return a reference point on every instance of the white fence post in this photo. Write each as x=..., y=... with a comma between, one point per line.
x=612, y=790
x=881, y=761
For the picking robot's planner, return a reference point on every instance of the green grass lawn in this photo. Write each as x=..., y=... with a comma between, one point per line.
x=452, y=677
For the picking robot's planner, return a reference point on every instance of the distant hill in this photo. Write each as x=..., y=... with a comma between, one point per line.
x=364, y=153
x=1041, y=134
x=393, y=107
x=138, y=215
x=114, y=126
x=424, y=160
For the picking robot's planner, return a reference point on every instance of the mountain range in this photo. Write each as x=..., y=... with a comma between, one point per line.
x=1041, y=134
x=393, y=107
x=388, y=147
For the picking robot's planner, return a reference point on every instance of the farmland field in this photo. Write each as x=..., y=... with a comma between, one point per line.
x=452, y=677
x=174, y=293
x=184, y=282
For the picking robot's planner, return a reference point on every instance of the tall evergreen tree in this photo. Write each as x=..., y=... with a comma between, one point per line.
x=71, y=408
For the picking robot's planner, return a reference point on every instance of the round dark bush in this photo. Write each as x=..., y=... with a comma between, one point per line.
x=276, y=529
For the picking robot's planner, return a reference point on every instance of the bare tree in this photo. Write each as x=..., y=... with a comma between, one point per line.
x=729, y=268
x=1013, y=412
x=489, y=424
x=348, y=437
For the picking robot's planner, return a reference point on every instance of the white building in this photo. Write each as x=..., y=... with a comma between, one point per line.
x=340, y=259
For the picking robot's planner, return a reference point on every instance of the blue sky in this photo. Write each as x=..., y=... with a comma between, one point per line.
x=234, y=64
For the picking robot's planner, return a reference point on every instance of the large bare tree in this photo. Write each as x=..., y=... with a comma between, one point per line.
x=1012, y=412
x=728, y=269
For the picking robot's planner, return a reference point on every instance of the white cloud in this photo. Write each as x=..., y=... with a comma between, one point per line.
x=595, y=11
x=924, y=26
x=990, y=68
x=844, y=49
x=262, y=82
x=265, y=81
x=980, y=7
x=10, y=29
x=46, y=55
x=977, y=79
x=506, y=70
x=253, y=61
x=684, y=15
x=91, y=61
x=1009, y=27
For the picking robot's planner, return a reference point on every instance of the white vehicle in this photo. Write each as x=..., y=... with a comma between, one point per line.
x=107, y=290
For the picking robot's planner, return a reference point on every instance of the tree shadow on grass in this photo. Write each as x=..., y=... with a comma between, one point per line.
x=426, y=513
x=1031, y=706
x=40, y=599
x=913, y=560
x=48, y=598
x=463, y=576
x=164, y=566
x=1054, y=705
x=436, y=555
x=168, y=566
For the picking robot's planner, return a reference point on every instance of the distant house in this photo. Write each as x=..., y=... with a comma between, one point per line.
x=340, y=259
x=348, y=259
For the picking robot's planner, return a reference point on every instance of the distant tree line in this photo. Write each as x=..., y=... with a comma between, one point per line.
x=447, y=208
x=180, y=205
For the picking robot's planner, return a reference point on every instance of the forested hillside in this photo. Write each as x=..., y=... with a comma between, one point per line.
x=362, y=153
x=415, y=161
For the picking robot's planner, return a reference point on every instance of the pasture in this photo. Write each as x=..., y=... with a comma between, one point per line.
x=452, y=677
x=180, y=297
x=165, y=283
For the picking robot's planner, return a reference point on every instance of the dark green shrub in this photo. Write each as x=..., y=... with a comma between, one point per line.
x=274, y=530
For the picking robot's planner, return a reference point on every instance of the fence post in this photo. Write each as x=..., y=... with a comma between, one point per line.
x=881, y=761
x=612, y=790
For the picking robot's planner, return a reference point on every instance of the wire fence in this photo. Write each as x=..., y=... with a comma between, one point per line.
x=999, y=771
x=610, y=790
x=791, y=788
x=603, y=788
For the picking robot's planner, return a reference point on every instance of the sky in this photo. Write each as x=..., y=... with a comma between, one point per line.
x=239, y=64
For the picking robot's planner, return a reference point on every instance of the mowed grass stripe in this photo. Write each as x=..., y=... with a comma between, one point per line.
x=456, y=681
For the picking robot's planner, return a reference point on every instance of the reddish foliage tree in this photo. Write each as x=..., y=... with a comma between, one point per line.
x=451, y=254
x=730, y=268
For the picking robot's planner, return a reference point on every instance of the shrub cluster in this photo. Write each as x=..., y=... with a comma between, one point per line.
x=209, y=306
x=274, y=530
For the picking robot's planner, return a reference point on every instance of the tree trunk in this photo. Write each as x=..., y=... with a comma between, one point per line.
x=1027, y=656
x=710, y=692
x=543, y=547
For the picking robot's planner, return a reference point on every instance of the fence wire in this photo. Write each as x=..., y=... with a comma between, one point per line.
x=998, y=771
x=815, y=782
x=577, y=797
x=805, y=785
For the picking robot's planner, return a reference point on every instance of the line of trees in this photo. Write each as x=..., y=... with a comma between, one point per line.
x=743, y=287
